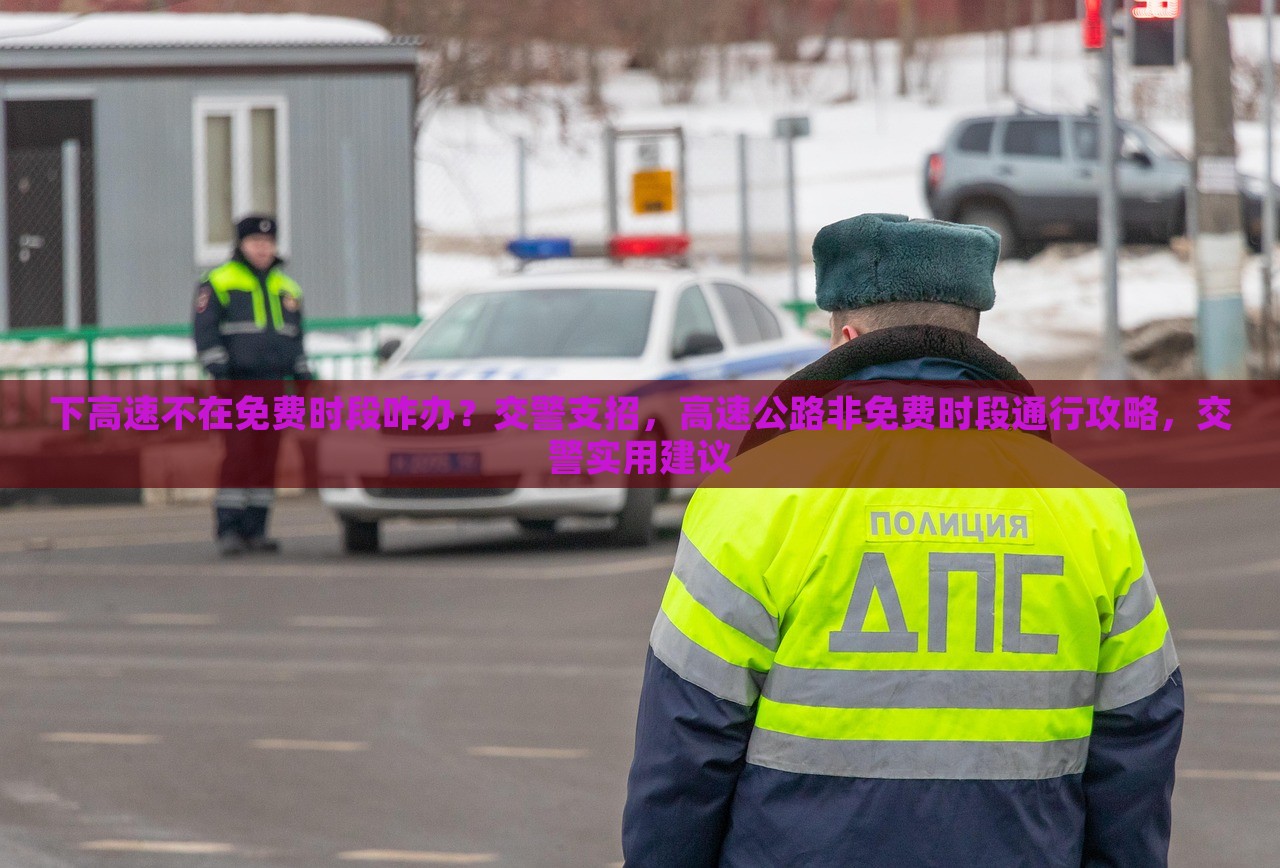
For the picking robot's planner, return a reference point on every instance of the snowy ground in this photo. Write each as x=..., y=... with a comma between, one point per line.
x=863, y=155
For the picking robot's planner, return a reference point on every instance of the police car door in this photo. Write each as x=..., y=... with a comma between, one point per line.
x=759, y=348
x=697, y=349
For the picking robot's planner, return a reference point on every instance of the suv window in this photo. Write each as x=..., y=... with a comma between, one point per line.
x=692, y=316
x=976, y=138
x=1032, y=138
x=1087, y=141
x=749, y=319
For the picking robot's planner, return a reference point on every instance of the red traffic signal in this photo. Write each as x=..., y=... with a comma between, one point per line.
x=1093, y=33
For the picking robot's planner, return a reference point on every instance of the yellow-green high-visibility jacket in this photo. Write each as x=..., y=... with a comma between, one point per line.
x=248, y=325
x=907, y=676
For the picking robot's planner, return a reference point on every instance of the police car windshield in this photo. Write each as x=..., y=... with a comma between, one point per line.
x=541, y=324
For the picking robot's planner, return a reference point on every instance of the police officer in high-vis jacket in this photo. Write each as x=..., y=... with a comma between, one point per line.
x=847, y=672
x=248, y=327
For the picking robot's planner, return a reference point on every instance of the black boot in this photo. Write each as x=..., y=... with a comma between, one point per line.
x=255, y=531
x=229, y=530
x=232, y=545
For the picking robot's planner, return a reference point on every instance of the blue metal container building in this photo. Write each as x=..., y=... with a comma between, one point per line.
x=131, y=143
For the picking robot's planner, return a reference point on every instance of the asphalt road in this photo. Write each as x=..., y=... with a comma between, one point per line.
x=466, y=698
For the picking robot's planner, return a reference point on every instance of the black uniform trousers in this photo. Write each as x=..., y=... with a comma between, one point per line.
x=246, y=479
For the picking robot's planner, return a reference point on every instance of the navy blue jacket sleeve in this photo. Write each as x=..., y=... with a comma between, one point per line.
x=690, y=749
x=1128, y=781
x=210, y=348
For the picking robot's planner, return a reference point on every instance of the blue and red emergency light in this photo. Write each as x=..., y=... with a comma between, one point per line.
x=618, y=247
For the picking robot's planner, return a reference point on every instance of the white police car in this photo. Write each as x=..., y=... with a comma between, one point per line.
x=618, y=322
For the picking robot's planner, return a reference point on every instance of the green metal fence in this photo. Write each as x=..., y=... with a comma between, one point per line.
x=341, y=349
x=809, y=317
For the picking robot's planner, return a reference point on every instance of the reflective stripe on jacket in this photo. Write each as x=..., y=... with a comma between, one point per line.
x=862, y=675
x=250, y=327
x=949, y=634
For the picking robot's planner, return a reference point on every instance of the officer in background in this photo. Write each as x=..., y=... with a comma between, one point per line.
x=248, y=327
x=850, y=676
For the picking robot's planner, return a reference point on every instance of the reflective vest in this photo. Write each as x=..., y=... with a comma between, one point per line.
x=917, y=633
x=281, y=292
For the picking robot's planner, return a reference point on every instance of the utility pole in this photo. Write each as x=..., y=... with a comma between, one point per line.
x=1269, y=199
x=1218, y=245
x=1111, y=365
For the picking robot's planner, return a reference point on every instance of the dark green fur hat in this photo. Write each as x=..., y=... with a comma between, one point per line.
x=880, y=258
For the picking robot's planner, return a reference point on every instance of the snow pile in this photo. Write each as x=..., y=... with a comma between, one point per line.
x=19, y=30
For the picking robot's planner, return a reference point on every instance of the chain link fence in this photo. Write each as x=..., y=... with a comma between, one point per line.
x=473, y=197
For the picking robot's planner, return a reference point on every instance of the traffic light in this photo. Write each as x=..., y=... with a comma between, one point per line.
x=1093, y=32
x=1156, y=32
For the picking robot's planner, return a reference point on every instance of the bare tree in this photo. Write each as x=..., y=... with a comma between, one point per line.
x=836, y=18
x=668, y=37
x=1006, y=59
x=391, y=15
x=871, y=13
x=461, y=59
x=907, y=31
x=1039, y=12
x=786, y=25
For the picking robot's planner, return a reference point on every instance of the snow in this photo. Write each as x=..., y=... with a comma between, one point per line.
x=863, y=155
x=18, y=30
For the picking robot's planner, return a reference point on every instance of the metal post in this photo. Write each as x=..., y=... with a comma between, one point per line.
x=682, y=182
x=1221, y=337
x=71, y=234
x=1269, y=198
x=522, y=190
x=350, y=229
x=793, y=243
x=611, y=179
x=744, y=206
x=90, y=357
x=1112, y=363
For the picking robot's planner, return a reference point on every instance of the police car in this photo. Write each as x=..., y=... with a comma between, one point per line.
x=655, y=320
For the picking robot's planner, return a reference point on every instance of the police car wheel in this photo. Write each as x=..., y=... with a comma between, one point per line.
x=635, y=522
x=359, y=537
x=537, y=525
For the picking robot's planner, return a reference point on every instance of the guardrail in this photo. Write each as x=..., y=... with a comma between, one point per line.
x=347, y=350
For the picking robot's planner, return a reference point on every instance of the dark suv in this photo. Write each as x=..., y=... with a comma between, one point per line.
x=1035, y=178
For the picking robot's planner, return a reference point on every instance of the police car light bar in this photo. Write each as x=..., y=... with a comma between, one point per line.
x=648, y=246
x=619, y=247
x=541, y=248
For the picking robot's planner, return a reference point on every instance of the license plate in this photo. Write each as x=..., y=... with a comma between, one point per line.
x=434, y=464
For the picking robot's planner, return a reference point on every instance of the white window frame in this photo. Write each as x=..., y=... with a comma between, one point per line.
x=239, y=108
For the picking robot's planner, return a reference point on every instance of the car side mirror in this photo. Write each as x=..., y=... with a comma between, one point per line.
x=700, y=344
x=1142, y=158
x=387, y=349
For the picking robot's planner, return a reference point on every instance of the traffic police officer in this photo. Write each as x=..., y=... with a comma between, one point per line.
x=248, y=327
x=844, y=673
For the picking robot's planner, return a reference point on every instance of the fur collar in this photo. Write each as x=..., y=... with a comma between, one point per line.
x=902, y=343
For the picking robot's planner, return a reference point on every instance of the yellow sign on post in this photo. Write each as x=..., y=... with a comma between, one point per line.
x=653, y=191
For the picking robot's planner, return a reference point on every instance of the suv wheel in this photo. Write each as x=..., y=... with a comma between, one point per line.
x=359, y=537
x=995, y=218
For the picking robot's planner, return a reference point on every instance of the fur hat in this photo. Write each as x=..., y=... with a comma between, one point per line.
x=880, y=258
x=256, y=224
